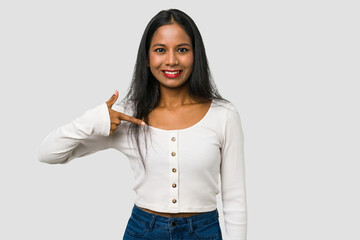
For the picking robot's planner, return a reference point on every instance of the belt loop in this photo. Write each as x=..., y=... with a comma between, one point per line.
x=152, y=222
x=190, y=225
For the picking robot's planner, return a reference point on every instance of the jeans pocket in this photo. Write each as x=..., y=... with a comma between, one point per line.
x=136, y=228
x=208, y=231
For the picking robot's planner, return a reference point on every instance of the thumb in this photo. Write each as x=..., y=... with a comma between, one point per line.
x=113, y=99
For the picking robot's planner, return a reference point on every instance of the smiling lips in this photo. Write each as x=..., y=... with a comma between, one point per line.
x=172, y=73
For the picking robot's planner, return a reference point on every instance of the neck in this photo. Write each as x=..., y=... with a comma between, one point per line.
x=174, y=97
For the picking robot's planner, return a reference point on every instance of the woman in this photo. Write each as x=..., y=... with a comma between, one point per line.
x=195, y=136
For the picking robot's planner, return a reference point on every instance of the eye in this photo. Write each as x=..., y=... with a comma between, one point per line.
x=159, y=50
x=183, y=50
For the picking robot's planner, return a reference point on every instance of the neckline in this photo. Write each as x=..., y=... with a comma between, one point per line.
x=192, y=126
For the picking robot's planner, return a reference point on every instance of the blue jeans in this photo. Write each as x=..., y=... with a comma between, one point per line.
x=145, y=225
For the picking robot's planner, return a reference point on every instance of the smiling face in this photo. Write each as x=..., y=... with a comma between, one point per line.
x=171, y=55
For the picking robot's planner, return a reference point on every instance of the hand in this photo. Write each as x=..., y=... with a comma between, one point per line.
x=116, y=117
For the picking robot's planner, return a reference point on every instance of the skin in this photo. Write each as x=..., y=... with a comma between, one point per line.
x=171, y=49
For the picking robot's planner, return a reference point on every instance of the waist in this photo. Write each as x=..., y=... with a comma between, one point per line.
x=169, y=214
x=160, y=221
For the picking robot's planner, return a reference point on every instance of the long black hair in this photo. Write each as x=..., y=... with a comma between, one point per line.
x=144, y=91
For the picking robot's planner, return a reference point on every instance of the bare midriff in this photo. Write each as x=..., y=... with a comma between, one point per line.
x=169, y=214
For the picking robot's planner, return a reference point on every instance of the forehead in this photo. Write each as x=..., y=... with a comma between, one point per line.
x=170, y=33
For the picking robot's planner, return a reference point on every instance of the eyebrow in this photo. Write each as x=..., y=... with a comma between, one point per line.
x=163, y=45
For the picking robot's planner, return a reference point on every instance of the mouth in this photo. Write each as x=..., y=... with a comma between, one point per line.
x=171, y=73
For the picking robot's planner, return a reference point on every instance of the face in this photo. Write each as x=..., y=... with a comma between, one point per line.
x=171, y=55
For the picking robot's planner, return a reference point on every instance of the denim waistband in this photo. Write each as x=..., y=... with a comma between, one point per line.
x=157, y=221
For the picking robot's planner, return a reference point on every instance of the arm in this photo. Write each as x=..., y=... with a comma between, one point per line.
x=233, y=192
x=87, y=134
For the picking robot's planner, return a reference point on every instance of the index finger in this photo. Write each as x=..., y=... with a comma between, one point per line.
x=131, y=119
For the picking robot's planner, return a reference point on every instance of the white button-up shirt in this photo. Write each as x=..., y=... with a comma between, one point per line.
x=182, y=167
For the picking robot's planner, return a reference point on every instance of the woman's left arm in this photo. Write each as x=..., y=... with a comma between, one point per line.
x=232, y=173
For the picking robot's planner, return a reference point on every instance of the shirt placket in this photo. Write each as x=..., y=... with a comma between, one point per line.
x=173, y=171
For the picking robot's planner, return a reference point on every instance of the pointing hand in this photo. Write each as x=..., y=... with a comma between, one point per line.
x=116, y=117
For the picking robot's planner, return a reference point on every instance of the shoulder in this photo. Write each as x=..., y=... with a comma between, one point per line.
x=224, y=115
x=229, y=125
x=224, y=107
x=227, y=115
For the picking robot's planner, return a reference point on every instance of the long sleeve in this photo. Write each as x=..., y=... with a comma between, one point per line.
x=86, y=134
x=232, y=173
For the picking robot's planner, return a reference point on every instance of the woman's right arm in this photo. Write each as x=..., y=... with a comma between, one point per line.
x=87, y=134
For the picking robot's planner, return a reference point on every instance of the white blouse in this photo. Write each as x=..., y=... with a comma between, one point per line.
x=182, y=166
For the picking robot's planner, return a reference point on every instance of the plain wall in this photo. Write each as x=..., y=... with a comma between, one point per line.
x=290, y=67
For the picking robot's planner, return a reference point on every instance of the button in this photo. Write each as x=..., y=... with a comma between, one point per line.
x=174, y=185
x=174, y=200
x=173, y=153
x=174, y=169
x=173, y=139
x=173, y=224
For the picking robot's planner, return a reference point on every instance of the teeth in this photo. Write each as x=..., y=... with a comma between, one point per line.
x=171, y=72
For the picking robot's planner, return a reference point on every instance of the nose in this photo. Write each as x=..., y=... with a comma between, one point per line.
x=171, y=59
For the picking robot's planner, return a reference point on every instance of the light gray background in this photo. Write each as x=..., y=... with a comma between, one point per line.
x=290, y=67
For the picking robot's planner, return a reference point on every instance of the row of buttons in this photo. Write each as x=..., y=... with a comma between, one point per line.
x=173, y=162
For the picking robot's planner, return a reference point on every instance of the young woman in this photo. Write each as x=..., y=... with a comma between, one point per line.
x=178, y=133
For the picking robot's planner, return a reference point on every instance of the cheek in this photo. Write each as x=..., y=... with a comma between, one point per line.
x=189, y=61
x=155, y=61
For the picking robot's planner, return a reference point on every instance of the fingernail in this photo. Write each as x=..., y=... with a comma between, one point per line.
x=142, y=123
x=115, y=92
